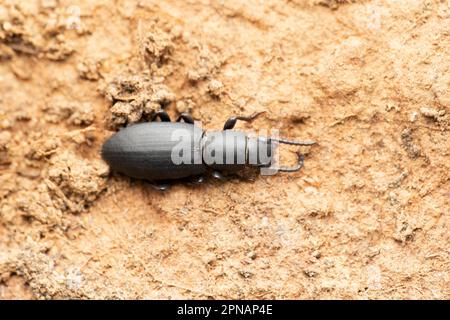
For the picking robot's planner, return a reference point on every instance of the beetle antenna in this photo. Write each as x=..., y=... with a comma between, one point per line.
x=300, y=156
x=295, y=168
x=293, y=142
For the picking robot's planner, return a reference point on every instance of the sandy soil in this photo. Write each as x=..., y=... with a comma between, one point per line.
x=366, y=218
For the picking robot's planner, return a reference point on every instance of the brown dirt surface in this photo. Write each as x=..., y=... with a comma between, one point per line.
x=366, y=218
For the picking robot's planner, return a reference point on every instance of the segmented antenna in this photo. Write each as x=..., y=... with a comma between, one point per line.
x=293, y=142
x=300, y=156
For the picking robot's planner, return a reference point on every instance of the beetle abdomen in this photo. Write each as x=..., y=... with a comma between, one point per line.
x=152, y=151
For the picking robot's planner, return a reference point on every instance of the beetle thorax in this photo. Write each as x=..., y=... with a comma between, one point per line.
x=232, y=150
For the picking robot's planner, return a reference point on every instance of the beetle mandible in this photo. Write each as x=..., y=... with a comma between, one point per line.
x=145, y=150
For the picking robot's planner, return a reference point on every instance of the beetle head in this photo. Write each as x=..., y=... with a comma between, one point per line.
x=260, y=151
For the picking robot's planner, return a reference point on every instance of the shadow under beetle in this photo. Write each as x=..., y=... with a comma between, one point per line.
x=146, y=150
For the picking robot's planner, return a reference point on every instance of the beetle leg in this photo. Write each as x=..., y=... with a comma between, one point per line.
x=186, y=117
x=162, y=115
x=196, y=180
x=200, y=179
x=231, y=122
x=218, y=175
x=160, y=186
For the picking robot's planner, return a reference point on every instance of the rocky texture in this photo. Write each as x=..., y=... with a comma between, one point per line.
x=367, y=217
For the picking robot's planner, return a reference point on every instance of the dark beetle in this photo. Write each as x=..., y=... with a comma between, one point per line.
x=148, y=150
